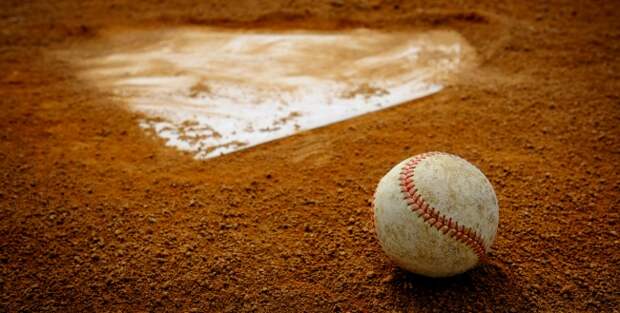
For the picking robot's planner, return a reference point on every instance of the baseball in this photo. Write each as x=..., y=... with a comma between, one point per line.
x=435, y=214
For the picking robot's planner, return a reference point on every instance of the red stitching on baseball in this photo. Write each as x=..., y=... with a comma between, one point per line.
x=431, y=215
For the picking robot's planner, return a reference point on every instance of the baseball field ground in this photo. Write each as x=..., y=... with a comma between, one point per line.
x=110, y=203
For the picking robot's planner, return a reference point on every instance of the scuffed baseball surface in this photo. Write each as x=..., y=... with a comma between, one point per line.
x=457, y=190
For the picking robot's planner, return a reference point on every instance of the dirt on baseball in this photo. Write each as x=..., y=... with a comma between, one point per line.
x=97, y=215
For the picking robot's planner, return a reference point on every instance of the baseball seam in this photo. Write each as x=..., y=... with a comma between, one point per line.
x=431, y=215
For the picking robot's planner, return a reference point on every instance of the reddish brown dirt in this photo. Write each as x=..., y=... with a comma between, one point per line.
x=97, y=216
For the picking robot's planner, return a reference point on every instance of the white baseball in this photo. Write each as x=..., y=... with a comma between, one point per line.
x=435, y=214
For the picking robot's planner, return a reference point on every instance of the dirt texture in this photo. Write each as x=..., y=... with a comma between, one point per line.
x=98, y=216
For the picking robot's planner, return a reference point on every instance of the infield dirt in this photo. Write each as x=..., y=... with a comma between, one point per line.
x=97, y=215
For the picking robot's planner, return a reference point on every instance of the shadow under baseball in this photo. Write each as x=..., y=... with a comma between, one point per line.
x=490, y=287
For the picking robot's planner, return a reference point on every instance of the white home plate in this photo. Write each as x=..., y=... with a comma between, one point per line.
x=214, y=91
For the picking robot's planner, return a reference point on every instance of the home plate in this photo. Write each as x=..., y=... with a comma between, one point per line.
x=213, y=91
